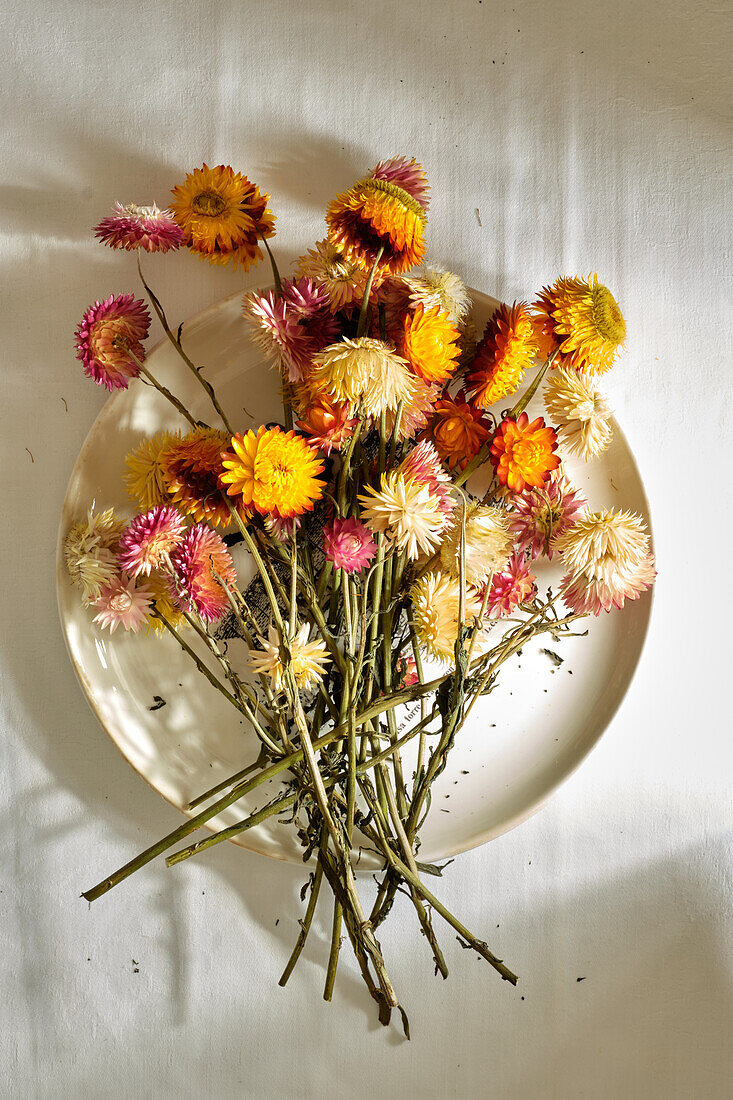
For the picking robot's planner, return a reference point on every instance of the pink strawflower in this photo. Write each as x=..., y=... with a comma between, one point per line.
x=423, y=465
x=281, y=528
x=293, y=326
x=590, y=595
x=407, y=174
x=148, y=537
x=103, y=336
x=123, y=603
x=200, y=553
x=512, y=586
x=542, y=514
x=134, y=226
x=348, y=544
x=417, y=412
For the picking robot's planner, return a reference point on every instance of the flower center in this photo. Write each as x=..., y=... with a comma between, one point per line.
x=121, y=602
x=607, y=317
x=208, y=204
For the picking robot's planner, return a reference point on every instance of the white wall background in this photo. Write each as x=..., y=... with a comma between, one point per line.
x=590, y=136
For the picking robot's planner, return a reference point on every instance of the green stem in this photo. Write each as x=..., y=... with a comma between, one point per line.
x=364, y=312
x=305, y=924
x=196, y=371
x=158, y=385
x=531, y=390
x=275, y=273
x=333, y=957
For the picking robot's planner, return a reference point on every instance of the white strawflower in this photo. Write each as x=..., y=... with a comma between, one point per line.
x=436, y=287
x=435, y=603
x=407, y=511
x=579, y=412
x=488, y=542
x=308, y=659
x=90, y=552
x=364, y=373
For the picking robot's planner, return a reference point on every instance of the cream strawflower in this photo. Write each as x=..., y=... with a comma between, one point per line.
x=579, y=412
x=407, y=511
x=435, y=287
x=609, y=561
x=309, y=659
x=364, y=373
x=435, y=603
x=90, y=552
x=488, y=542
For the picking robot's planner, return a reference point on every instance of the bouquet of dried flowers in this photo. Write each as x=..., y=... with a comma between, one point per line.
x=382, y=577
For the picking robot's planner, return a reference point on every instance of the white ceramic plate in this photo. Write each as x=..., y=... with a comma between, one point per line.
x=520, y=742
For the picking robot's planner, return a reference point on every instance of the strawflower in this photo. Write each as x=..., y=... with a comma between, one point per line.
x=488, y=543
x=364, y=373
x=145, y=480
x=435, y=287
x=435, y=603
x=609, y=561
x=222, y=215
x=291, y=326
x=191, y=468
x=513, y=585
x=506, y=350
x=348, y=544
x=282, y=530
x=581, y=319
x=458, y=430
x=580, y=413
x=132, y=226
x=105, y=334
x=430, y=343
x=273, y=471
x=524, y=453
x=408, y=513
x=541, y=514
x=200, y=553
x=422, y=465
x=407, y=174
x=308, y=659
x=123, y=603
x=417, y=410
x=327, y=425
x=342, y=279
x=90, y=552
x=380, y=214
x=164, y=602
x=148, y=539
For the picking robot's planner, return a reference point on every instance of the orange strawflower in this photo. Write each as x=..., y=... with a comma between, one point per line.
x=581, y=320
x=327, y=425
x=223, y=215
x=273, y=471
x=376, y=214
x=458, y=431
x=506, y=350
x=524, y=453
x=430, y=343
x=190, y=468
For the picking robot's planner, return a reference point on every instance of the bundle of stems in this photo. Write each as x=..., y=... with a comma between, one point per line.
x=337, y=750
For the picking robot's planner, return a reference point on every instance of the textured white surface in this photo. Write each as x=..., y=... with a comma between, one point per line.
x=588, y=136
